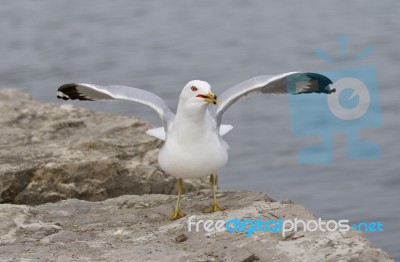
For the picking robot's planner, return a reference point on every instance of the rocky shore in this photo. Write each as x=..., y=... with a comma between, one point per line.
x=77, y=185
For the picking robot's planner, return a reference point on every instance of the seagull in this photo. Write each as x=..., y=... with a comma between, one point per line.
x=194, y=147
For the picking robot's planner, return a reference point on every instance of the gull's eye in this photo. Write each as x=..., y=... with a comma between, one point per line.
x=194, y=88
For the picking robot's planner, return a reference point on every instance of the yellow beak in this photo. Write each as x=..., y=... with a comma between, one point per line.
x=210, y=98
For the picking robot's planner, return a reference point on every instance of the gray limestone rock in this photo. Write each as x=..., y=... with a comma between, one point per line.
x=135, y=228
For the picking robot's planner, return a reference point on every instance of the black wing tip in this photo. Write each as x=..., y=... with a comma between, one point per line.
x=62, y=97
x=67, y=86
x=317, y=83
x=323, y=83
x=70, y=92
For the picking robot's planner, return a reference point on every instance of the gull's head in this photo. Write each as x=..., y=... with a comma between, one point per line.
x=198, y=92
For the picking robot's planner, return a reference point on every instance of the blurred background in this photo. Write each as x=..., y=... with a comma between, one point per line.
x=161, y=45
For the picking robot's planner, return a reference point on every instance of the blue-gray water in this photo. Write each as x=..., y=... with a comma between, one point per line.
x=161, y=45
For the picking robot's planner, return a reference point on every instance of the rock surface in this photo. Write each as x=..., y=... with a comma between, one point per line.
x=134, y=228
x=50, y=152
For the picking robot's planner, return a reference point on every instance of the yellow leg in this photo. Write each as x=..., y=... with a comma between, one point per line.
x=177, y=212
x=215, y=207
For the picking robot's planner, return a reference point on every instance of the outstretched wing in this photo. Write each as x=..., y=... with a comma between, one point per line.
x=114, y=92
x=288, y=83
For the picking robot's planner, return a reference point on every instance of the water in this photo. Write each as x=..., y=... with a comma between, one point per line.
x=160, y=46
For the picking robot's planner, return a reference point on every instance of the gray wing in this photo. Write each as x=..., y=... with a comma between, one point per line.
x=114, y=92
x=288, y=83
